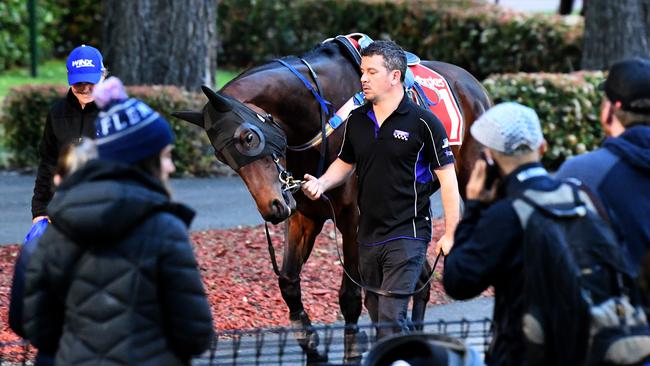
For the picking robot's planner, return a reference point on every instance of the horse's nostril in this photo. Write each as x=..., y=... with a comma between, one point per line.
x=278, y=207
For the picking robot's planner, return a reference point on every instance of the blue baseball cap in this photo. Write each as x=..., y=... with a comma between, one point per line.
x=85, y=65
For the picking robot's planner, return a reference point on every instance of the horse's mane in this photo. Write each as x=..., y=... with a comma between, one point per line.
x=323, y=49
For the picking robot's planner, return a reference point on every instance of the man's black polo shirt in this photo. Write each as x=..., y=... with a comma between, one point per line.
x=395, y=165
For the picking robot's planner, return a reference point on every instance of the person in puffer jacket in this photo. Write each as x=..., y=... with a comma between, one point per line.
x=72, y=157
x=114, y=280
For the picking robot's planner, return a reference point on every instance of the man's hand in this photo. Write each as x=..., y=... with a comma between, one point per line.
x=336, y=174
x=475, y=189
x=39, y=218
x=312, y=187
x=444, y=244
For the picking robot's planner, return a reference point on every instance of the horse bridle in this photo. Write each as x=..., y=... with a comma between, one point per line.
x=287, y=182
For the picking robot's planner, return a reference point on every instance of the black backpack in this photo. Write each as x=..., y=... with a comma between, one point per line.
x=580, y=298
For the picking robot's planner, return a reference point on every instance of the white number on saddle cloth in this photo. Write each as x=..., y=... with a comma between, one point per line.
x=446, y=109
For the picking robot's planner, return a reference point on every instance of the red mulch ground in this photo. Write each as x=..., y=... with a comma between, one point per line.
x=240, y=282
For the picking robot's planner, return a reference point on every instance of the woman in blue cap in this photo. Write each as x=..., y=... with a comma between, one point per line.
x=69, y=119
x=114, y=279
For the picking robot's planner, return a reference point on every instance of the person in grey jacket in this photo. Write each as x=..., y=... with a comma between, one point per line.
x=114, y=280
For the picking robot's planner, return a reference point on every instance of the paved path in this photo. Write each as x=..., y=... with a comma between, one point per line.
x=221, y=202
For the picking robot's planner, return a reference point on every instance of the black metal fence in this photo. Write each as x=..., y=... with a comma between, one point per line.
x=278, y=346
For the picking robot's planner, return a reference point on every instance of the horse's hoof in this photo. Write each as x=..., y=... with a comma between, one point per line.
x=303, y=332
x=311, y=341
x=355, y=345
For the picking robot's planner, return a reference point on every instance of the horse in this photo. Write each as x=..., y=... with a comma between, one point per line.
x=267, y=111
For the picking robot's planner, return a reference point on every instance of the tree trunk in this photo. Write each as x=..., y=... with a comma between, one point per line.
x=170, y=42
x=566, y=7
x=615, y=30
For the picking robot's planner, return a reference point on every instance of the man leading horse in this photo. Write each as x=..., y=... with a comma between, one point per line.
x=268, y=121
x=394, y=146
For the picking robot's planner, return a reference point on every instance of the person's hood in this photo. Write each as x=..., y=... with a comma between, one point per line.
x=103, y=201
x=633, y=146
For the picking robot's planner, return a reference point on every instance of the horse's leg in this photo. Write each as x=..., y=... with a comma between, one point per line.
x=301, y=233
x=350, y=294
x=421, y=299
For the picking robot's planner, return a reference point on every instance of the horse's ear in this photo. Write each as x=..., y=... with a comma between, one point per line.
x=195, y=118
x=219, y=103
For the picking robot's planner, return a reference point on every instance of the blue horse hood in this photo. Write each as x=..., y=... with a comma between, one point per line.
x=633, y=146
x=104, y=201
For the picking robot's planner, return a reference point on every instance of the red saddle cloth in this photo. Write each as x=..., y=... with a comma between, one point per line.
x=445, y=107
x=437, y=90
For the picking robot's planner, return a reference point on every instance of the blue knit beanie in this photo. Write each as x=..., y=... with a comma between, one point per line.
x=127, y=129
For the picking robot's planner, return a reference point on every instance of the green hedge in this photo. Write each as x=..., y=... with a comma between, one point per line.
x=61, y=26
x=483, y=39
x=81, y=23
x=568, y=106
x=25, y=110
x=14, y=31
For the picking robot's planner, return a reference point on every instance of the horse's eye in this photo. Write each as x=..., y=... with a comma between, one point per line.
x=250, y=139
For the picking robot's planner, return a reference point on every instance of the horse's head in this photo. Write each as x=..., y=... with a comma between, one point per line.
x=252, y=145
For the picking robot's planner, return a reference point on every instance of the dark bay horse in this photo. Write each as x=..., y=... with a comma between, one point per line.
x=256, y=124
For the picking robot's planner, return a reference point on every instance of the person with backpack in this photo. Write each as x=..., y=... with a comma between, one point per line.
x=488, y=240
x=490, y=247
x=114, y=279
x=619, y=171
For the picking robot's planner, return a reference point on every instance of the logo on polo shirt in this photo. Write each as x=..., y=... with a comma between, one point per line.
x=445, y=143
x=401, y=135
x=83, y=62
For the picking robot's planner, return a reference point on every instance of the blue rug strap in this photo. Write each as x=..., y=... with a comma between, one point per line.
x=323, y=103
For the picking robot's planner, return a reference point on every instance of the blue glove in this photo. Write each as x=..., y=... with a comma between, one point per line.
x=36, y=230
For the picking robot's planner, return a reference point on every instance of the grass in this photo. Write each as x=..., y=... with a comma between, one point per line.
x=224, y=76
x=53, y=72
x=49, y=72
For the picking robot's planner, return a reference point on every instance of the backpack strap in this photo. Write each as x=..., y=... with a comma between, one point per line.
x=599, y=207
x=579, y=210
x=564, y=202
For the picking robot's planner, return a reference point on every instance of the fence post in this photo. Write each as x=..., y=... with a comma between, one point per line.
x=31, y=4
